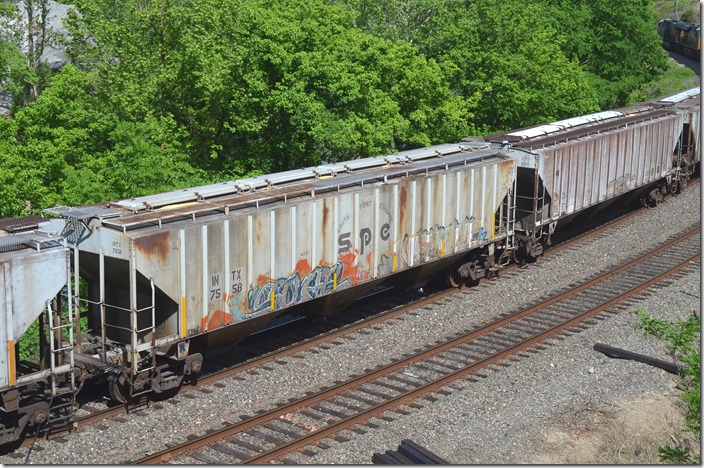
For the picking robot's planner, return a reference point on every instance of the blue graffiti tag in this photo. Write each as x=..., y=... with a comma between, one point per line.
x=294, y=289
x=482, y=235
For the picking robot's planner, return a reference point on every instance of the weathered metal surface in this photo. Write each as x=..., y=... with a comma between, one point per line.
x=590, y=170
x=257, y=253
x=691, y=113
x=28, y=279
x=11, y=225
x=567, y=166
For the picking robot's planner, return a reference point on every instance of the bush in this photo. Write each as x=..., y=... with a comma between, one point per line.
x=684, y=343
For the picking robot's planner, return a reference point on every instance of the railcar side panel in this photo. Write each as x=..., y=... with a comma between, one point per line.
x=259, y=291
x=589, y=170
x=387, y=229
x=450, y=212
x=239, y=271
x=365, y=240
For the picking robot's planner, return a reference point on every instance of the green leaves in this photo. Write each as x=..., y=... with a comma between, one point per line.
x=684, y=342
x=169, y=93
x=65, y=149
x=263, y=86
x=615, y=42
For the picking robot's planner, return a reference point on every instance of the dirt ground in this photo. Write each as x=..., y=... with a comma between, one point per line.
x=626, y=434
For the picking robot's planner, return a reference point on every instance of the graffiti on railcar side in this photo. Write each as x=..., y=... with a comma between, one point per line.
x=344, y=240
x=464, y=230
x=481, y=235
x=215, y=319
x=429, y=244
x=233, y=300
x=298, y=287
x=386, y=265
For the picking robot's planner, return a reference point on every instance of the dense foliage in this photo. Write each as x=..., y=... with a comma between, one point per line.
x=161, y=94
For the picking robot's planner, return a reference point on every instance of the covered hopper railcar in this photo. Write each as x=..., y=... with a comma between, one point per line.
x=155, y=276
x=592, y=161
x=34, y=269
x=163, y=269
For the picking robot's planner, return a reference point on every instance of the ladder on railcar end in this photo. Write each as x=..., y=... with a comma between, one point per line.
x=538, y=208
x=506, y=226
x=61, y=361
x=149, y=343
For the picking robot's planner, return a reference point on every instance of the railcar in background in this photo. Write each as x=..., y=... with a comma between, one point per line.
x=681, y=37
x=589, y=162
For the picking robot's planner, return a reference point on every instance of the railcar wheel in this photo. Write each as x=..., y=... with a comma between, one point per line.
x=119, y=387
x=520, y=253
x=453, y=279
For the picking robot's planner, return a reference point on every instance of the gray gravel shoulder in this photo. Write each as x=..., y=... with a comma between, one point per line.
x=509, y=417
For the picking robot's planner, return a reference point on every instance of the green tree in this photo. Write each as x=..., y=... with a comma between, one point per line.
x=20, y=184
x=529, y=61
x=65, y=149
x=615, y=42
x=411, y=21
x=23, y=25
x=261, y=86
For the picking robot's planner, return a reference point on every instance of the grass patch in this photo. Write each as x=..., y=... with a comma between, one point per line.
x=687, y=10
x=684, y=343
x=677, y=78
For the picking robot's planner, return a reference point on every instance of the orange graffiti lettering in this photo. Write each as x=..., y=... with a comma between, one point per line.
x=215, y=320
x=350, y=269
x=303, y=267
x=263, y=279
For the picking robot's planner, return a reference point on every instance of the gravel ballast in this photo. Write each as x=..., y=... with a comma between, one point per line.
x=515, y=415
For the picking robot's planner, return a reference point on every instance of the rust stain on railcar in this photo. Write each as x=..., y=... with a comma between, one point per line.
x=154, y=245
x=258, y=230
x=324, y=228
x=402, y=199
x=326, y=213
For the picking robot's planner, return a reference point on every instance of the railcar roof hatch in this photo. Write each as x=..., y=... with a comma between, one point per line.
x=36, y=240
x=684, y=95
x=196, y=194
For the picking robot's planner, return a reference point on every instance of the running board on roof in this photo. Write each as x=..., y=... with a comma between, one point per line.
x=36, y=240
x=83, y=213
x=683, y=96
x=195, y=194
x=560, y=125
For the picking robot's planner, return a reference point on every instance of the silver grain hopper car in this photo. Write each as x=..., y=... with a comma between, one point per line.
x=165, y=268
x=568, y=166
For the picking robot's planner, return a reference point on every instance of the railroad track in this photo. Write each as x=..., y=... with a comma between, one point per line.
x=309, y=337
x=402, y=383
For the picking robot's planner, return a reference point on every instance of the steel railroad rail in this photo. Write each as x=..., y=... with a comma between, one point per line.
x=297, y=345
x=401, y=383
